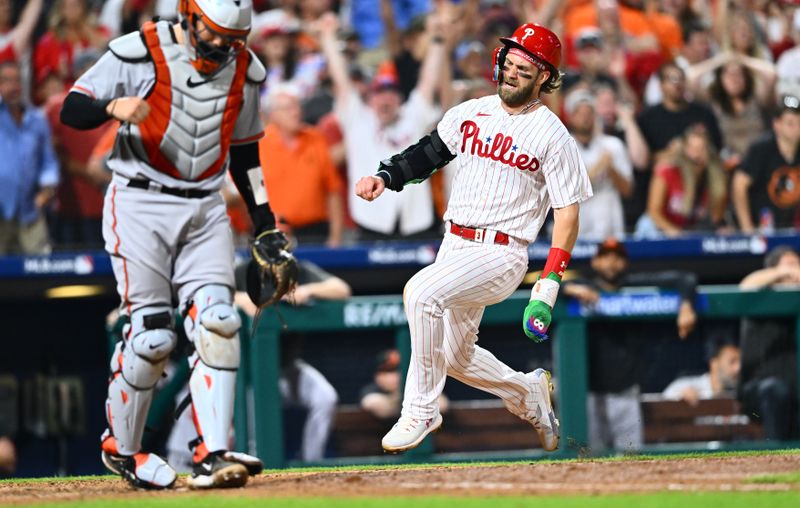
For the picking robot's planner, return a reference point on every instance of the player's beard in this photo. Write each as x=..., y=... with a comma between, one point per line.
x=518, y=96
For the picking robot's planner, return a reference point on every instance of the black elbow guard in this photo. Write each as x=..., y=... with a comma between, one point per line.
x=415, y=163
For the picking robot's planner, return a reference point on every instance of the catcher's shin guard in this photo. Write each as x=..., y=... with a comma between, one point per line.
x=136, y=366
x=212, y=324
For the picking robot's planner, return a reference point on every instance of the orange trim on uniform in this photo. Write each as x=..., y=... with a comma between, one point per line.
x=155, y=125
x=200, y=451
x=251, y=139
x=82, y=90
x=208, y=381
x=140, y=459
x=231, y=113
x=116, y=251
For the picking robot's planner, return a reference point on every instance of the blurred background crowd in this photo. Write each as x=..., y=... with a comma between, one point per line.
x=686, y=110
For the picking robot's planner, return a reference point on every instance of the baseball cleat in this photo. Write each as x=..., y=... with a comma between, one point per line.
x=141, y=470
x=214, y=472
x=253, y=464
x=543, y=417
x=409, y=432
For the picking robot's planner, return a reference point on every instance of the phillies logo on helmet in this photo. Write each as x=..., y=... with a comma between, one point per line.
x=500, y=148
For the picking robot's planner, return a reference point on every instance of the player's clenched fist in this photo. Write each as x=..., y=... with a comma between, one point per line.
x=128, y=109
x=369, y=187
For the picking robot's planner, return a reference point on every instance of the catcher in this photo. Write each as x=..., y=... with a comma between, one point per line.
x=186, y=97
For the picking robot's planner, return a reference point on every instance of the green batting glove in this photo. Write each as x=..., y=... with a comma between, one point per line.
x=538, y=313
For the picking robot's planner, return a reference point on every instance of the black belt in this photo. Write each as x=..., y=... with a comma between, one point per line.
x=181, y=193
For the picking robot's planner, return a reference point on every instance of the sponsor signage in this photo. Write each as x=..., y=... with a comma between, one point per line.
x=372, y=314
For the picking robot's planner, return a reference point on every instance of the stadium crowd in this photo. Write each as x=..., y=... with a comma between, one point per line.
x=686, y=111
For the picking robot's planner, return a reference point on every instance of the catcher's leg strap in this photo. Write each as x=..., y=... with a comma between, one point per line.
x=136, y=366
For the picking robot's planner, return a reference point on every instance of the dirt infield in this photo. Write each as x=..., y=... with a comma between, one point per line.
x=567, y=477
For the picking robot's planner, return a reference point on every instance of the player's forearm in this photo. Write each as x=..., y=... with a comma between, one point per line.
x=760, y=279
x=415, y=163
x=565, y=227
x=83, y=112
x=337, y=67
x=249, y=180
x=335, y=217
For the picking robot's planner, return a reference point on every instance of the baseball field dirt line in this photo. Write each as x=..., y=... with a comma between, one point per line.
x=594, y=477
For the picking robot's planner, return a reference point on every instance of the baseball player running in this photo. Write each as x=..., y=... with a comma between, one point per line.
x=187, y=99
x=513, y=160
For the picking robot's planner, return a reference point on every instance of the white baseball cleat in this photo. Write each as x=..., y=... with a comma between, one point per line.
x=409, y=432
x=142, y=470
x=542, y=417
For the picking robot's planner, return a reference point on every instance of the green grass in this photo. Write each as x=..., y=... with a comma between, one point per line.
x=384, y=467
x=777, y=478
x=661, y=500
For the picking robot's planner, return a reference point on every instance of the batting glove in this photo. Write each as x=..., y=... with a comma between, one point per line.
x=538, y=313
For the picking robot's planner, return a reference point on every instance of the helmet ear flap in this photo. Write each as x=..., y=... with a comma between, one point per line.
x=499, y=58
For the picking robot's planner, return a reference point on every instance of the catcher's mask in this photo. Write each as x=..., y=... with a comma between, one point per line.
x=216, y=32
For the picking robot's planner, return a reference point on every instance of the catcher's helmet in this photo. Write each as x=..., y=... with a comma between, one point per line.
x=228, y=21
x=539, y=42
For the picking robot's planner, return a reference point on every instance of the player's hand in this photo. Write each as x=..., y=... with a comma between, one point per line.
x=687, y=318
x=326, y=26
x=369, y=187
x=128, y=109
x=584, y=294
x=536, y=320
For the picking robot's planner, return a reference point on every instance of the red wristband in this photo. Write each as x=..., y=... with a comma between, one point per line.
x=557, y=261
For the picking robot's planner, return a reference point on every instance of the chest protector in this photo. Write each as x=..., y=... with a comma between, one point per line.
x=188, y=131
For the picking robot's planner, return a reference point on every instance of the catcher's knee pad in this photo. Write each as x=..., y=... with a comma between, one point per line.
x=212, y=324
x=136, y=366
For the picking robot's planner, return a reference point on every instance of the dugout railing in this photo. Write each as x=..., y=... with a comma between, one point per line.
x=259, y=425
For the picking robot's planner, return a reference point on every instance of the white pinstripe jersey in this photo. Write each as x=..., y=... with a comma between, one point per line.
x=509, y=169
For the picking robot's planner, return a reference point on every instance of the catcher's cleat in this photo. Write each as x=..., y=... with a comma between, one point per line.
x=253, y=464
x=214, y=472
x=542, y=416
x=142, y=470
x=409, y=432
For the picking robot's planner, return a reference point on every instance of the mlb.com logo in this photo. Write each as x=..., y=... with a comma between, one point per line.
x=77, y=265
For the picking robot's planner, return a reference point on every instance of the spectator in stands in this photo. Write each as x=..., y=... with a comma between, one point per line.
x=79, y=199
x=15, y=40
x=609, y=169
x=72, y=29
x=788, y=67
x=740, y=33
x=29, y=169
x=721, y=380
x=664, y=122
x=741, y=90
x=618, y=119
x=613, y=409
x=368, y=23
x=304, y=186
x=383, y=397
x=688, y=190
x=598, y=65
x=768, y=388
x=696, y=48
x=278, y=49
x=300, y=383
x=381, y=126
x=766, y=188
x=8, y=456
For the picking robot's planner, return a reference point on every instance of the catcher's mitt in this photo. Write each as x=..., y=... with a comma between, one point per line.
x=273, y=270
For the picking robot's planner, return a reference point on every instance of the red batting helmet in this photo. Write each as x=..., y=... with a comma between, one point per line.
x=537, y=41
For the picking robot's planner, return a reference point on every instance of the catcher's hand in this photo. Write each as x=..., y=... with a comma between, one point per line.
x=273, y=271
